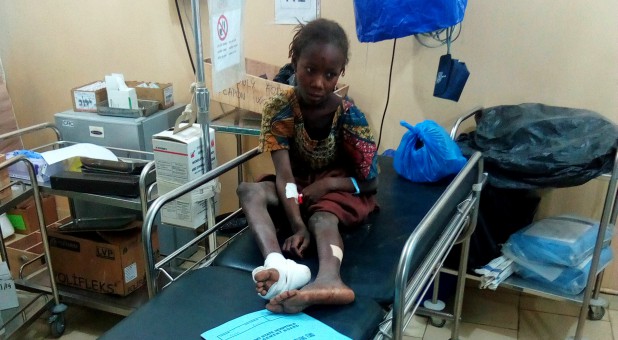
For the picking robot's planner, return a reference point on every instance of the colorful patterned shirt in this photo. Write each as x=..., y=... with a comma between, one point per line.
x=349, y=144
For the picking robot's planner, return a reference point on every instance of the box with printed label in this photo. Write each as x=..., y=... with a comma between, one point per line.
x=178, y=156
x=86, y=97
x=252, y=92
x=24, y=217
x=190, y=209
x=178, y=160
x=108, y=262
x=161, y=92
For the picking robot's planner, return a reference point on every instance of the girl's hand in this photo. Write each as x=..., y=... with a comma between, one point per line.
x=297, y=243
x=314, y=191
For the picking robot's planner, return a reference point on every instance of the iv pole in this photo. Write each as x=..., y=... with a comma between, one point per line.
x=202, y=99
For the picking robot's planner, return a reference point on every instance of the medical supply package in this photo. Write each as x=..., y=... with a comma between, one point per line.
x=178, y=160
x=565, y=240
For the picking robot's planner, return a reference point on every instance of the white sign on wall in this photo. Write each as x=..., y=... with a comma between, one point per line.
x=225, y=30
x=291, y=12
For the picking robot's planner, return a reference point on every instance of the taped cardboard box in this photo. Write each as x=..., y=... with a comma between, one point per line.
x=86, y=97
x=24, y=217
x=162, y=92
x=253, y=91
x=24, y=249
x=109, y=262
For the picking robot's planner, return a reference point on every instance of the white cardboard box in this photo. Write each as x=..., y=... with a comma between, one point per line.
x=177, y=161
x=8, y=294
x=190, y=209
x=178, y=157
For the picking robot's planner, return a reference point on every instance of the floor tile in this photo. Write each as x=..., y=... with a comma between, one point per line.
x=611, y=299
x=81, y=324
x=613, y=318
x=538, y=325
x=486, y=307
x=469, y=331
x=416, y=327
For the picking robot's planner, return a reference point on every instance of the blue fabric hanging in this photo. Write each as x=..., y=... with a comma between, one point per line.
x=389, y=19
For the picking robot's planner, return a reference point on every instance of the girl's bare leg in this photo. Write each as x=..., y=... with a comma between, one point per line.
x=327, y=287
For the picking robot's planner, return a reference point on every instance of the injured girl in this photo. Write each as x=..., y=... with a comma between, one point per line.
x=325, y=162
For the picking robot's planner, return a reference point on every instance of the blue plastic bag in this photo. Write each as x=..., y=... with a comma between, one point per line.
x=426, y=153
x=389, y=19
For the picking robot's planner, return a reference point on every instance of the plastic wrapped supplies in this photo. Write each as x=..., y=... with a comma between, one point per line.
x=557, y=252
x=565, y=279
x=562, y=240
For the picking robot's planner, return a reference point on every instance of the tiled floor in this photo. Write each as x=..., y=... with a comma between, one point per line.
x=487, y=315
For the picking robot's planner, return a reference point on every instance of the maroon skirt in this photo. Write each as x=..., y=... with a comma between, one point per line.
x=350, y=209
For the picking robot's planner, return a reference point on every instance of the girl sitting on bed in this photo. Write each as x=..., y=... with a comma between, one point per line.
x=325, y=161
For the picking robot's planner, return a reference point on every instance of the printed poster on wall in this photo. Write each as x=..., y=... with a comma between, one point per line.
x=226, y=24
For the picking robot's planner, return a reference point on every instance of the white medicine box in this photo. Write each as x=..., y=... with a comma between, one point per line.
x=178, y=159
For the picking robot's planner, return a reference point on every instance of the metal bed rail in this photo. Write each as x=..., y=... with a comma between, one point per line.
x=157, y=204
x=408, y=293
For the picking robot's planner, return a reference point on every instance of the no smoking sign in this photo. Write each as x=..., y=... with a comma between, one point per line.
x=222, y=27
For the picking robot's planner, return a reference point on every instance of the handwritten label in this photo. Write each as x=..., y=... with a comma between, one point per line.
x=85, y=100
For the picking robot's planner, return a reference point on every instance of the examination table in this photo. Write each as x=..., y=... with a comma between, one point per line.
x=389, y=262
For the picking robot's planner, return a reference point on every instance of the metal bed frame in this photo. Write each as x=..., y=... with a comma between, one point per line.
x=407, y=290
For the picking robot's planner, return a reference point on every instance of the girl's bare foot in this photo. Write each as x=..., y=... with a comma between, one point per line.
x=322, y=292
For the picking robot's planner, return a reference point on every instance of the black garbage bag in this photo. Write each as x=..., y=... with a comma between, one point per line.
x=530, y=146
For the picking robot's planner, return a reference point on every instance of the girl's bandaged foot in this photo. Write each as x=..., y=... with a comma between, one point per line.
x=291, y=276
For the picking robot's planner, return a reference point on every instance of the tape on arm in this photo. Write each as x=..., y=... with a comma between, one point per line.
x=291, y=191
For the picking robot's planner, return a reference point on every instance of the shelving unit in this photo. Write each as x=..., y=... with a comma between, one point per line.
x=592, y=306
x=31, y=303
x=37, y=288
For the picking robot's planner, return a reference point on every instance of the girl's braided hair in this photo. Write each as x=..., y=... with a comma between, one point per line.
x=318, y=31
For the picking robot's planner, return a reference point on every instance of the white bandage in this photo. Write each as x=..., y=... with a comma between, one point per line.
x=337, y=252
x=291, y=191
x=292, y=275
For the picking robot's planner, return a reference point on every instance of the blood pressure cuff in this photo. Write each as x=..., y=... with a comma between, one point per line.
x=451, y=78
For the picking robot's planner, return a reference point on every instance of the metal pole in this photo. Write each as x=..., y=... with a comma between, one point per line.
x=202, y=97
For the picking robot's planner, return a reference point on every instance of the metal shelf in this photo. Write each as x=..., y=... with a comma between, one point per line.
x=31, y=305
x=120, y=305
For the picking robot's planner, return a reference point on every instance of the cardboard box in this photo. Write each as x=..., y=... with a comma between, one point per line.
x=24, y=216
x=22, y=250
x=109, y=262
x=178, y=160
x=178, y=157
x=8, y=294
x=164, y=94
x=190, y=209
x=86, y=97
x=253, y=91
x=5, y=181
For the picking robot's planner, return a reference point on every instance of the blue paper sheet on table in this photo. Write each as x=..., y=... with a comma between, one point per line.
x=264, y=324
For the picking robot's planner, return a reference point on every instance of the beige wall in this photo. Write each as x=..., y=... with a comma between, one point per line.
x=555, y=52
